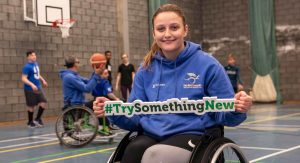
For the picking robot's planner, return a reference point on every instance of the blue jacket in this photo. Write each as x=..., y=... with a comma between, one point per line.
x=194, y=75
x=74, y=86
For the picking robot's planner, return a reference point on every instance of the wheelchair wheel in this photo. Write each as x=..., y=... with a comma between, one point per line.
x=76, y=126
x=117, y=155
x=223, y=150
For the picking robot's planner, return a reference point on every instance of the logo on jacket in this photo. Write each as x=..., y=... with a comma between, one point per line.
x=192, y=78
x=158, y=85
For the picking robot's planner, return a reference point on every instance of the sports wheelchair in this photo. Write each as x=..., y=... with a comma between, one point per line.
x=78, y=126
x=213, y=148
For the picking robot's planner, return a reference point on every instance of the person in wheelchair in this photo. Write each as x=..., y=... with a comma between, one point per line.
x=175, y=68
x=74, y=85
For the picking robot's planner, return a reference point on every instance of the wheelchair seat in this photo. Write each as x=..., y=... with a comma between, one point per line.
x=211, y=149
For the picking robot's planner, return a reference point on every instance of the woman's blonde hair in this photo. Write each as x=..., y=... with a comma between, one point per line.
x=154, y=47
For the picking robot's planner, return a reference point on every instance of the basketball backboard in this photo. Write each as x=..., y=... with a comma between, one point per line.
x=47, y=11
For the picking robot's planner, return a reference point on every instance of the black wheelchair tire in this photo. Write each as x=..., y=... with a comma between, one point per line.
x=83, y=142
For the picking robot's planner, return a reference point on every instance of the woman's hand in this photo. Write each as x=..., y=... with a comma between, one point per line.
x=243, y=102
x=98, y=105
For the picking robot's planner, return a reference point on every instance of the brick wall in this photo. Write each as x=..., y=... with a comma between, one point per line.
x=138, y=30
x=225, y=30
x=94, y=31
x=288, y=47
x=193, y=11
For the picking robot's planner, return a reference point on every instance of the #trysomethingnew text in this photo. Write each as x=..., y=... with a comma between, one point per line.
x=174, y=105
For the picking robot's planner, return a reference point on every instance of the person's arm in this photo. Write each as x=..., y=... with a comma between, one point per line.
x=238, y=77
x=239, y=80
x=84, y=79
x=26, y=81
x=107, y=90
x=133, y=73
x=112, y=96
x=118, y=81
x=77, y=83
x=44, y=83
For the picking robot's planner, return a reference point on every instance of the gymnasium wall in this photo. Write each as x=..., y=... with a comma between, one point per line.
x=94, y=31
x=225, y=30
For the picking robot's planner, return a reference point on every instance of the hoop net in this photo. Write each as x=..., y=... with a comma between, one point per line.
x=64, y=25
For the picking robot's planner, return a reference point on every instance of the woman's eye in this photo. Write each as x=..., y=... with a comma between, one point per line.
x=160, y=29
x=174, y=28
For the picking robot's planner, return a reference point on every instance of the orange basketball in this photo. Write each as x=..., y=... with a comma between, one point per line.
x=97, y=59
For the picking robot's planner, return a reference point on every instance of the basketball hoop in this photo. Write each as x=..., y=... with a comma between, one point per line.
x=64, y=25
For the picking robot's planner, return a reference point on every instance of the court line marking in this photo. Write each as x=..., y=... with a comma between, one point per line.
x=274, y=154
x=262, y=148
x=22, y=138
x=35, y=146
x=23, y=144
x=47, y=138
x=272, y=118
x=78, y=155
x=57, y=154
x=271, y=125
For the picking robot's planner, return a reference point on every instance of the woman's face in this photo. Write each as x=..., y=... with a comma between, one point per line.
x=169, y=32
x=124, y=58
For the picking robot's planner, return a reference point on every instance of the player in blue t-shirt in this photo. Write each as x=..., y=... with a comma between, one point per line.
x=33, y=90
x=103, y=88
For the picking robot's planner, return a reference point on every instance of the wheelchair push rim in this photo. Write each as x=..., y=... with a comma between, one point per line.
x=222, y=150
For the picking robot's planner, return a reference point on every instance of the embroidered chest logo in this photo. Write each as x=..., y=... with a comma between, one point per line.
x=192, y=78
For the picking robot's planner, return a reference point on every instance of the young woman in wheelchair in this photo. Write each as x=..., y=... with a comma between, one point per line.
x=175, y=68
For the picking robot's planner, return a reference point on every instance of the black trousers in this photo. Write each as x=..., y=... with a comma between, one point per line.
x=136, y=148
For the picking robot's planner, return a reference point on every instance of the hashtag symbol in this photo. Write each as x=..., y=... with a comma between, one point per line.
x=108, y=108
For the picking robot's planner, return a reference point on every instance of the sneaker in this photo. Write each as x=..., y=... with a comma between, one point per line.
x=38, y=123
x=113, y=127
x=31, y=125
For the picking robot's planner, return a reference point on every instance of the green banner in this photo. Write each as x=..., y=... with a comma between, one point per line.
x=263, y=41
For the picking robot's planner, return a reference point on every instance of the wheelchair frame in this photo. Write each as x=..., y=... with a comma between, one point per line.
x=77, y=126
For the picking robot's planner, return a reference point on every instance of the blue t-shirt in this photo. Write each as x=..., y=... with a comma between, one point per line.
x=103, y=88
x=32, y=71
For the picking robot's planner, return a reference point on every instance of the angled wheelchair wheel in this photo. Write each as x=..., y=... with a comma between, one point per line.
x=230, y=152
x=76, y=126
x=220, y=150
x=117, y=155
